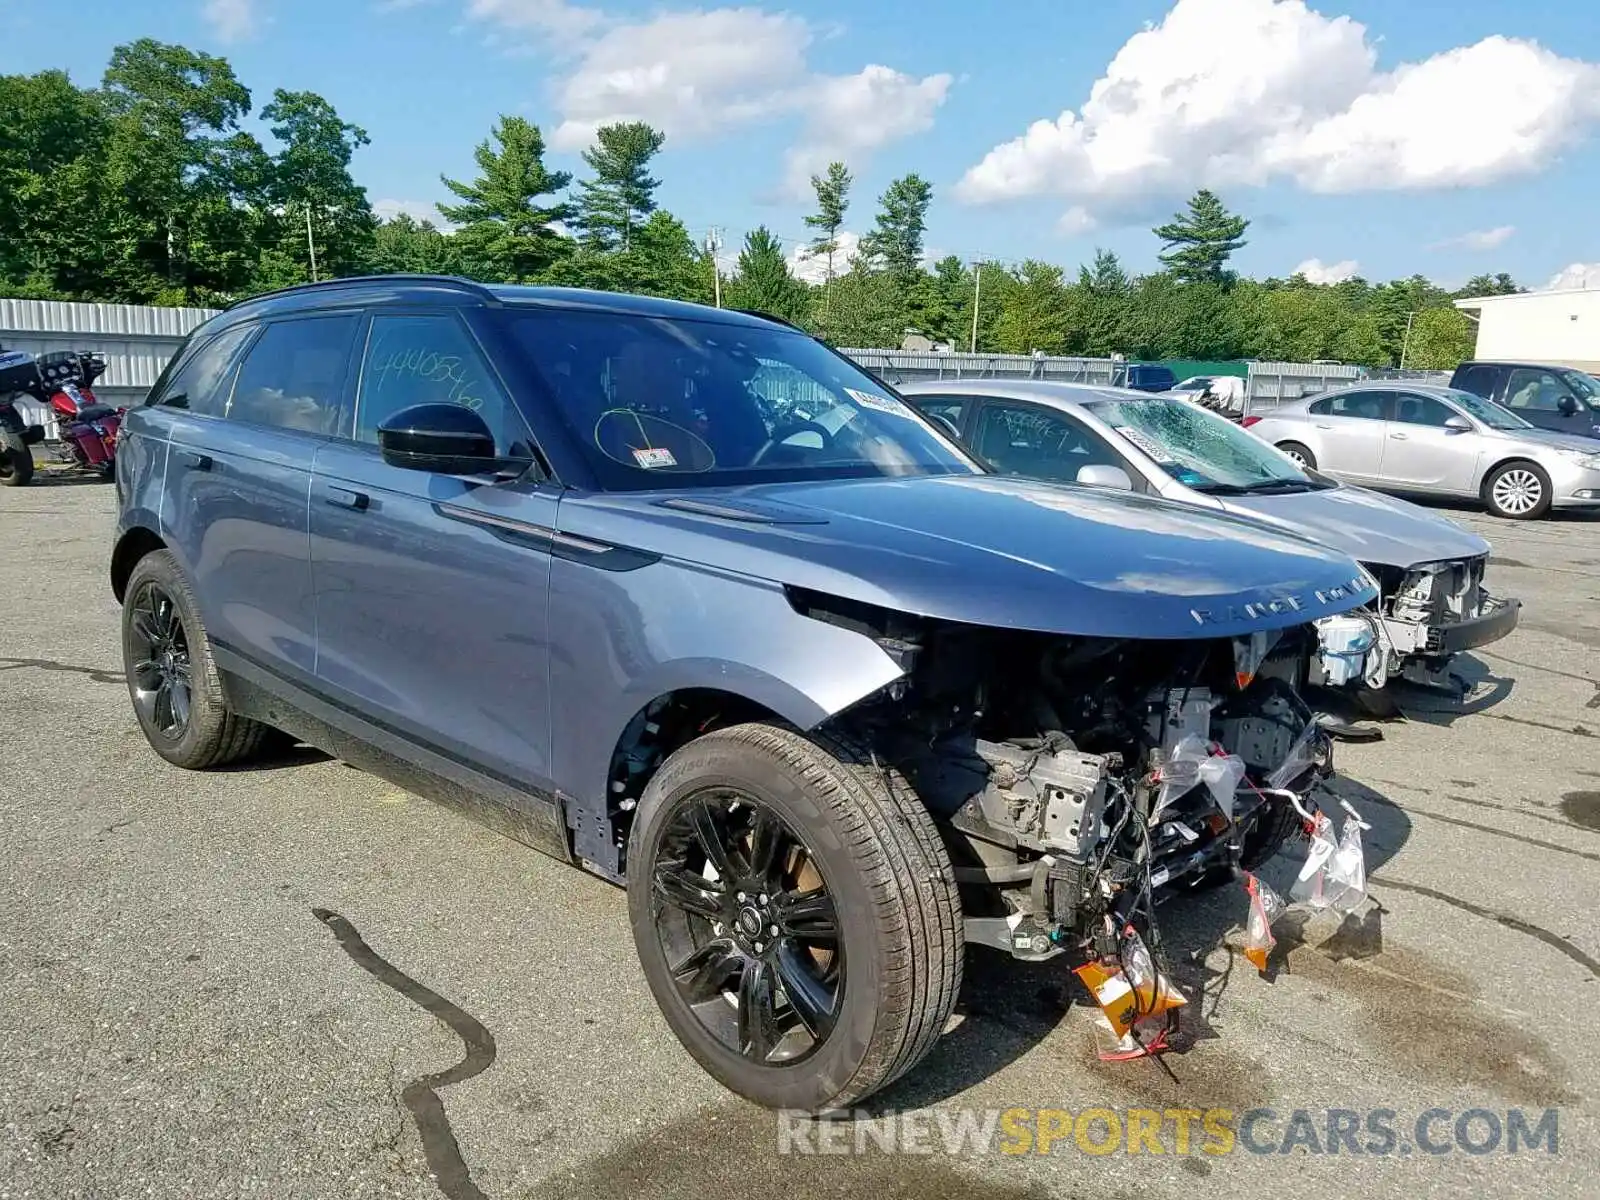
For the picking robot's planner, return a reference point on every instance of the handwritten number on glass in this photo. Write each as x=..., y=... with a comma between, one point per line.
x=418, y=363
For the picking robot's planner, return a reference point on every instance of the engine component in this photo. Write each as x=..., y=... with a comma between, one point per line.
x=1264, y=737
x=1177, y=715
x=1047, y=798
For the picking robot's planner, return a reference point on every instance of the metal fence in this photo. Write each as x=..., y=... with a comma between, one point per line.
x=913, y=366
x=137, y=341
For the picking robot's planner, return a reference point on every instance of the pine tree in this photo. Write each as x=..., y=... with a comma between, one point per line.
x=506, y=232
x=764, y=283
x=833, y=201
x=622, y=193
x=1196, y=245
x=895, y=242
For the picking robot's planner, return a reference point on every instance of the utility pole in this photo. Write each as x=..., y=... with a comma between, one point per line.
x=977, y=294
x=311, y=244
x=1405, y=346
x=713, y=246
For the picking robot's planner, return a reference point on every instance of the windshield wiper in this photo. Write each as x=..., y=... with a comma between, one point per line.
x=1264, y=487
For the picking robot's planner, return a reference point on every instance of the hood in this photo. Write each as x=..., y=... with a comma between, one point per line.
x=1554, y=439
x=1369, y=527
x=989, y=550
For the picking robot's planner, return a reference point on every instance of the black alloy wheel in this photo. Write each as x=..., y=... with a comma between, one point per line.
x=747, y=927
x=160, y=671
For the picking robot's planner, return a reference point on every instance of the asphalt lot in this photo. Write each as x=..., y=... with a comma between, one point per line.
x=175, y=1021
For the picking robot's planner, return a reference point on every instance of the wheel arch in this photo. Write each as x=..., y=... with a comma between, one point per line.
x=1506, y=461
x=134, y=544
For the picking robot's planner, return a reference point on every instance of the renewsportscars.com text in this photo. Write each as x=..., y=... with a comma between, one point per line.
x=1372, y=1132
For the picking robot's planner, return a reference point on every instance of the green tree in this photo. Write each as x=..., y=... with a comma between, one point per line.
x=865, y=311
x=1500, y=284
x=622, y=192
x=505, y=222
x=54, y=232
x=311, y=185
x=833, y=201
x=1100, y=308
x=174, y=152
x=1032, y=310
x=404, y=245
x=764, y=282
x=1196, y=245
x=1440, y=339
x=895, y=243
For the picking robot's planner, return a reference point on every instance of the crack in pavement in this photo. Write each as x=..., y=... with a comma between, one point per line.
x=439, y=1144
x=1553, y=940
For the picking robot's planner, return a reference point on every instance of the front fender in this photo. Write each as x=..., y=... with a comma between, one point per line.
x=621, y=639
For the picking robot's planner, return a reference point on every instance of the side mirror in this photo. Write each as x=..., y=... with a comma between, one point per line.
x=1101, y=475
x=1458, y=424
x=447, y=439
x=1568, y=406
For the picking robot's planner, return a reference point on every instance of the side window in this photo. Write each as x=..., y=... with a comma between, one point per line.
x=1024, y=439
x=1478, y=380
x=1421, y=410
x=947, y=410
x=1534, y=391
x=197, y=385
x=431, y=359
x=1367, y=406
x=293, y=375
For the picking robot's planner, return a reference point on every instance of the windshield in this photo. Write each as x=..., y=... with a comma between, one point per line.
x=659, y=403
x=1490, y=413
x=1584, y=387
x=1202, y=450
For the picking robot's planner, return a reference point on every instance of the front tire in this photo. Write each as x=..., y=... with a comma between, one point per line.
x=1517, y=491
x=1301, y=454
x=16, y=461
x=756, y=829
x=172, y=678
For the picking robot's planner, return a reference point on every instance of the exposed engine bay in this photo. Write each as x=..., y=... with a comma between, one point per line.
x=1076, y=779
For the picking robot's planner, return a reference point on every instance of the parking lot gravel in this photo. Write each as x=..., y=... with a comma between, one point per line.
x=184, y=1013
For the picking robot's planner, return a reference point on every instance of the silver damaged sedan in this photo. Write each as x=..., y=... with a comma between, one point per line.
x=1432, y=605
x=1436, y=441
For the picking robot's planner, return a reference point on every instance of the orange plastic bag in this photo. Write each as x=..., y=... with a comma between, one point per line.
x=1132, y=990
x=1266, y=906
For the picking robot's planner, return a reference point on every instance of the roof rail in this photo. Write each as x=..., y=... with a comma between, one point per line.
x=773, y=317
x=460, y=281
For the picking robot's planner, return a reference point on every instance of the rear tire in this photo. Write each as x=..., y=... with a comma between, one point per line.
x=1299, y=453
x=16, y=461
x=1517, y=491
x=172, y=678
x=893, y=958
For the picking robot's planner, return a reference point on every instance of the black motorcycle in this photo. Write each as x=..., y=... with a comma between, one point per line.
x=19, y=375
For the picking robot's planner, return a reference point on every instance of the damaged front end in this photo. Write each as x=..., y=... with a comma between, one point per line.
x=1424, y=616
x=1079, y=781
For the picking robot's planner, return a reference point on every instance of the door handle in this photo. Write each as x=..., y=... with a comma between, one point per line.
x=200, y=462
x=1319, y=425
x=1399, y=437
x=345, y=498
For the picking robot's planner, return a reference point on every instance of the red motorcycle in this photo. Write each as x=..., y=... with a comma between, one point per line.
x=62, y=381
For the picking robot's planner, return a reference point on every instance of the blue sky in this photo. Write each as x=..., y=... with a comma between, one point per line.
x=1445, y=137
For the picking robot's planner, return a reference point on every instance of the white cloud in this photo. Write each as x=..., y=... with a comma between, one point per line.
x=1224, y=93
x=230, y=20
x=1317, y=271
x=849, y=116
x=813, y=268
x=1478, y=239
x=697, y=72
x=419, y=210
x=1578, y=275
x=686, y=73
x=537, y=18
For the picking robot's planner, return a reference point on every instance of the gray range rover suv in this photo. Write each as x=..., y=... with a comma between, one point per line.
x=683, y=597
